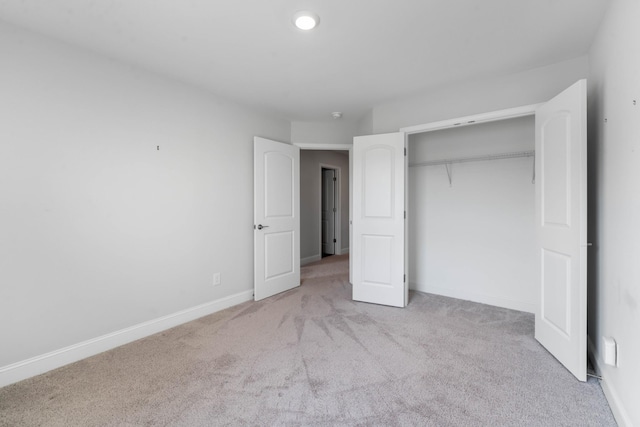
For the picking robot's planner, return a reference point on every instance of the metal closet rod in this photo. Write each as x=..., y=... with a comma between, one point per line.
x=511, y=155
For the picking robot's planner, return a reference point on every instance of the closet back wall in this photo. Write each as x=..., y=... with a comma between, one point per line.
x=474, y=239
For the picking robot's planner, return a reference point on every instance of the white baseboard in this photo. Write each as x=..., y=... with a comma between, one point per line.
x=310, y=259
x=476, y=297
x=617, y=408
x=46, y=362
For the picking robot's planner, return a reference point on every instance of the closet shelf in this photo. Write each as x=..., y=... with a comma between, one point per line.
x=511, y=155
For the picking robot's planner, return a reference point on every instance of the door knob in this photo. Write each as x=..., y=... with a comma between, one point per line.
x=260, y=226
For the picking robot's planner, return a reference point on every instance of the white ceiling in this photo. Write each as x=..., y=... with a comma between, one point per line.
x=363, y=52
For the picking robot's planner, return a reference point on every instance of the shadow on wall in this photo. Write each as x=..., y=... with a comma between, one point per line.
x=593, y=177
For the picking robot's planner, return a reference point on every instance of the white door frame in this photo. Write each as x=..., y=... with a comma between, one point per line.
x=492, y=116
x=337, y=218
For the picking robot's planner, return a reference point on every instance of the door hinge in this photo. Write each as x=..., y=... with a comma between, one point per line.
x=335, y=179
x=335, y=210
x=334, y=240
x=404, y=279
x=405, y=214
x=405, y=151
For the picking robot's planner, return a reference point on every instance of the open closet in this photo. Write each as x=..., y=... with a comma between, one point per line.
x=471, y=213
x=465, y=220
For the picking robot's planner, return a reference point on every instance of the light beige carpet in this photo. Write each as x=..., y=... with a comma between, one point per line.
x=311, y=356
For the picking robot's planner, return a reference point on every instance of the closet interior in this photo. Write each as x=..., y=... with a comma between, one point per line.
x=471, y=211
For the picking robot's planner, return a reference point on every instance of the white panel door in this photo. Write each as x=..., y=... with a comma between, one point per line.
x=328, y=211
x=276, y=217
x=378, y=219
x=561, y=223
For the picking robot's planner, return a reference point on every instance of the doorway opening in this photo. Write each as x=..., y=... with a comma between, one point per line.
x=472, y=204
x=320, y=163
x=328, y=210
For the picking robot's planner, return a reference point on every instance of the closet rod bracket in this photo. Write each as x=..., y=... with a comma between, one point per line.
x=449, y=168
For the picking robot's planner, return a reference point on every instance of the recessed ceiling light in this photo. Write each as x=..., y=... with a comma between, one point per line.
x=306, y=20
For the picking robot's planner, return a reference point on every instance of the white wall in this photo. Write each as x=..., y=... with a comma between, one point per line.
x=474, y=239
x=479, y=96
x=614, y=204
x=365, y=124
x=310, y=161
x=100, y=230
x=339, y=131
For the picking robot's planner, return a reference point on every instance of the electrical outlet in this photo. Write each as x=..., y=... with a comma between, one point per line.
x=216, y=279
